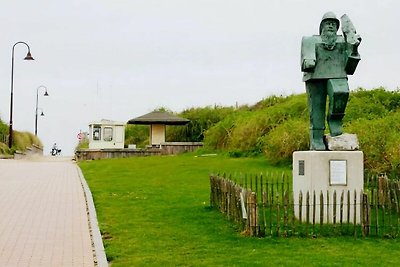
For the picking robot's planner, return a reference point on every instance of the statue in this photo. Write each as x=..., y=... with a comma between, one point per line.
x=326, y=60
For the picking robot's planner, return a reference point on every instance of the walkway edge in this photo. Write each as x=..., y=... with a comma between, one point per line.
x=99, y=250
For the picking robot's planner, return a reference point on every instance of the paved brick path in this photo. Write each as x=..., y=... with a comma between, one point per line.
x=43, y=214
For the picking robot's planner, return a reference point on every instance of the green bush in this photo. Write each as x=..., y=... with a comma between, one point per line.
x=371, y=104
x=137, y=134
x=281, y=142
x=4, y=150
x=380, y=141
x=243, y=132
x=247, y=133
x=201, y=119
x=217, y=136
x=83, y=144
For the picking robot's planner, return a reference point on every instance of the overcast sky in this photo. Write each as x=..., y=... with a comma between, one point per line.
x=121, y=59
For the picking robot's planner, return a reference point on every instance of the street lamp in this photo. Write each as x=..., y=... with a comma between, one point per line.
x=28, y=57
x=37, y=101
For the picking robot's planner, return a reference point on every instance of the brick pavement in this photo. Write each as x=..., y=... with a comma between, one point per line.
x=43, y=214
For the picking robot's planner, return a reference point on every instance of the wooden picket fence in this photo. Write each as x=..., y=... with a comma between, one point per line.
x=264, y=205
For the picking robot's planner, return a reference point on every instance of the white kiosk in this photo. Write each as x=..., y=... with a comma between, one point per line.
x=106, y=134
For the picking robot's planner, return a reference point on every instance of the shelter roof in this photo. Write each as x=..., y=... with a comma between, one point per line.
x=159, y=117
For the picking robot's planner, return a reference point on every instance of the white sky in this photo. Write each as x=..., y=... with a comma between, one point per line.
x=119, y=59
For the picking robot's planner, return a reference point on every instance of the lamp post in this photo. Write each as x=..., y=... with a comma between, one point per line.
x=37, y=101
x=28, y=57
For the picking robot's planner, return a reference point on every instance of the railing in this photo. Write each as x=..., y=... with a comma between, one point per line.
x=265, y=206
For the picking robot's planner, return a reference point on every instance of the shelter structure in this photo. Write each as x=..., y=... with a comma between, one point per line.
x=106, y=134
x=158, y=121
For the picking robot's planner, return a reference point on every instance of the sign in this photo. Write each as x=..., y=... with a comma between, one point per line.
x=338, y=172
x=80, y=136
x=301, y=167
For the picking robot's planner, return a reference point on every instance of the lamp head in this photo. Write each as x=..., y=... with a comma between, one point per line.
x=29, y=56
x=45, y=93
x=42, y=114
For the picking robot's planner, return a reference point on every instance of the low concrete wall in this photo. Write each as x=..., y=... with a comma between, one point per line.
x=171, y=148
x=167, y=148
x=32, y=151
x=91, y=154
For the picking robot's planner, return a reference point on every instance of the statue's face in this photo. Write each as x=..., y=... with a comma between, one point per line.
x=329, y=25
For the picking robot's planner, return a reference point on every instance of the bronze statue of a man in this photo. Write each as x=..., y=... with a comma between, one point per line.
x=326, y=60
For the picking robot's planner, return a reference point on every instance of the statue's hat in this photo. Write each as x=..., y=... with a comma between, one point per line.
x=329, y=16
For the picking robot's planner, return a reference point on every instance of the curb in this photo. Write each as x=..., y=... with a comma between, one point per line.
x=97, y=242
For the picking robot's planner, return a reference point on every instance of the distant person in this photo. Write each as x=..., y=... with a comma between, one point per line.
x=55, y=151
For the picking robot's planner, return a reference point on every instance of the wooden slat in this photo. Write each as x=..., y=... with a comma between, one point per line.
x=314, y=209
x=307, y=211
x=321, y=209
x=334, y=209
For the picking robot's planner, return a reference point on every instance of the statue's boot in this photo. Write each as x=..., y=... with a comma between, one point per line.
x=335, y=127
x=317, y=140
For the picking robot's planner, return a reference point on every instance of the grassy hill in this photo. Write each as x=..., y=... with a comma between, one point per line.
x=278, y=125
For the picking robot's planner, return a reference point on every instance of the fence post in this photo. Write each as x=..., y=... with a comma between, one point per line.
x=366, y=220
x=286, y=213
x=327, y=206
x=321, y=209
x=253, y=213
x=376, y=198
x=348, y=209
x=307, y=211
x=397, y=206
x=355, y=213
x=278, y=214
x=314, y=209
x=301, y=207
x=334, y=209
x=341, y=209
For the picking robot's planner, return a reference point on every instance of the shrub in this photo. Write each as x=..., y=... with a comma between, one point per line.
x=371, y=104
x=379, y=140
x=217, y=137
x=286, y=138
x=201, y=119
x=137, y=134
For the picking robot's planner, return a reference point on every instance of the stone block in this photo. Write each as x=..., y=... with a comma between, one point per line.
x=343, y=142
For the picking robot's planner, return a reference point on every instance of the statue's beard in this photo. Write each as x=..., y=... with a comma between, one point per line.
x=328, y=39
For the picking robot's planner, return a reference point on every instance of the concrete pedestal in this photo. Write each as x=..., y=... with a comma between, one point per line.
x=328, y=172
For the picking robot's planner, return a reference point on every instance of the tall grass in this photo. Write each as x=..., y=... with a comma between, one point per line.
x=21, y=140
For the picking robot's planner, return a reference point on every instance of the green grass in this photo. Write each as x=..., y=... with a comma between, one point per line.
x=154, y=211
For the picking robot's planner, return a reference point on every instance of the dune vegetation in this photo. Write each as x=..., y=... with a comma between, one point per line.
x=21, y=141
x=278, y=125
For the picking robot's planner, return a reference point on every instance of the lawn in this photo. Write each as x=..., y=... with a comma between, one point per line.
x=154, y=211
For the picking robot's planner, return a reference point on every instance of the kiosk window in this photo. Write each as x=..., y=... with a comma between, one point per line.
x=96, y=132
x=108, y=133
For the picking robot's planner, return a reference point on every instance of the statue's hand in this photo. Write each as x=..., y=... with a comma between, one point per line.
x=358, y=40
x=308, y=64
x=356, y=44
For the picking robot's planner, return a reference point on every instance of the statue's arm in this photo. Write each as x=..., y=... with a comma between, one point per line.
x=308, y=57
x=353, y=57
